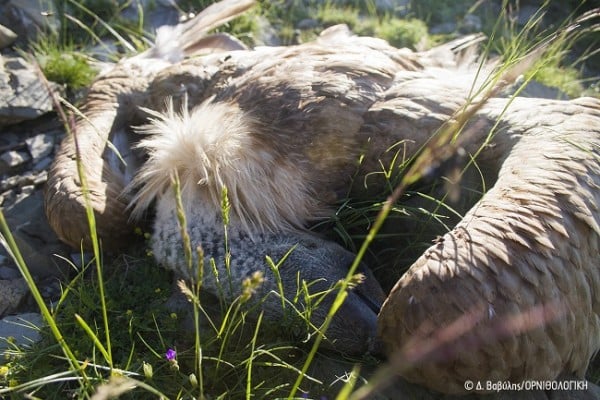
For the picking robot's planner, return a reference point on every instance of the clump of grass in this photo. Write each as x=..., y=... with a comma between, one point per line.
x=329, y=15
x=566, y=79
x=86, y=22
x=64, y=65
x=404, y=32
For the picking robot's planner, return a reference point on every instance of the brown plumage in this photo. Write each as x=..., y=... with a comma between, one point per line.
x=523, y=262
x=110, y=109
x=283, y=130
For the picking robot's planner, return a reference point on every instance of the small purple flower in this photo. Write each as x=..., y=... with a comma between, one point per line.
x=171, y=354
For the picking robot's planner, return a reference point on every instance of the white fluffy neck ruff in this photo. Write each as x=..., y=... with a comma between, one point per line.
x=211, y=147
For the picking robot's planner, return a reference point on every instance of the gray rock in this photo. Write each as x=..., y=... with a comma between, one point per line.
x=7, y=198
x=10, y=183
x=81, y=259
x=266, y=35
x=307, y=23
x=23, y=329
x=536, y=89
x=525, y=13
x=539, y=90
x=9, y=140
x=28, y=18
x=443, y=28
x=23, y=96
x=27, y=190
x=400, y=7
x=12, y=294
x=153, y=13
x=7, y=37
x=8, y=273
x=11, y=159
x=471, y=23
x=36, y=240
x=28, y=178
x=103, y=54
x=43, y=164
x=40, y=145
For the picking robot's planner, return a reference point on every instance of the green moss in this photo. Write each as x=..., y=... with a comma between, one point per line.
x=404, y=33
x=67, y=68
x=330, y=15
x=566, y=79
x=245, y=27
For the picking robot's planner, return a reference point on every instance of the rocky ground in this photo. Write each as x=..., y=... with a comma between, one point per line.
x=29, y=135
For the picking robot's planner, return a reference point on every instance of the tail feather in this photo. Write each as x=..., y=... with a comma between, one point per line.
x=174, y=43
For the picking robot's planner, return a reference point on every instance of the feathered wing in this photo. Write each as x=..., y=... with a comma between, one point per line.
x=109, y=111
x=524, y=260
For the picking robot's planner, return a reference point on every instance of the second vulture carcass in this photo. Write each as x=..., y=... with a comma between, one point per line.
x=288, y=131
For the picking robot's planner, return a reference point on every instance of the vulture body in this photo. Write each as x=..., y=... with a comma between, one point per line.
x=282, y=129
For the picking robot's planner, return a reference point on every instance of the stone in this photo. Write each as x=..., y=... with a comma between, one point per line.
x=153, y=13
x=40, y=145
x=7, y=37
x=27, y=190
x=29, y=18
x=8, y=272
x=34, y=236
x=29, y=178
x=470, y=23
x=526, y=13
x=14, y=158
x=20, y=330
x=400, y=7
x=23, y=95
x=9, y=140
x=266, y=35
x=539, y=90
x=42, y=165
x=443, y=28
x=40, y=177
x=307, y=23
x=10, y=182
x=7, y=198
x=12, y=294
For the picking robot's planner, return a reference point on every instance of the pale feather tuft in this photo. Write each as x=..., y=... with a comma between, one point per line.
x=212, y=147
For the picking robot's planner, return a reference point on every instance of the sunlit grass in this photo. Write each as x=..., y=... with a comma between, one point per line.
x=112, y=332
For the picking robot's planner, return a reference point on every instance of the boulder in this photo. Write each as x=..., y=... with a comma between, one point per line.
x=12, y=294
x=28, y=18
x=12, y=159
x=7, y=37
x=23, y=95
x=40, y=146
x=36, y=240
x=23, y=329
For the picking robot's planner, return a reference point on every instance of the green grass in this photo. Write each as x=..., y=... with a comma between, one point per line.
x=404, y=33
x=112, y=328
x=63, y=64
